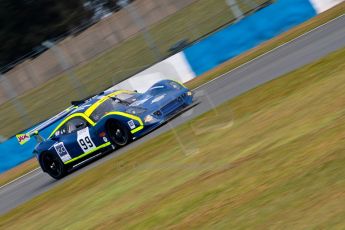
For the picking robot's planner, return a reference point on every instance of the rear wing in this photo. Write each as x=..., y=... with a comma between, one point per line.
x=24, y=138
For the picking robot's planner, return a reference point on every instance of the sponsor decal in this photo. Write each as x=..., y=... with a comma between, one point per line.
x=62, y=152
x=84, y=140
x=131, y=124
x=142, y=101
x=23, y=138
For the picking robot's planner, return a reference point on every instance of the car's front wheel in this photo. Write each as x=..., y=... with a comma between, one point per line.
x=53, y=165
x=118, y=134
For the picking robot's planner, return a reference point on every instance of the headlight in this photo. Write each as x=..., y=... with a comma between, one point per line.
x=148, y=119
x=189, y=93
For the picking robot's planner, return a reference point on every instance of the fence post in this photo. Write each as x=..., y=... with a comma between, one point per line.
x=31, y=75
x=235, y=9
x=142, y=27
x=18, y=105
x=65, y=66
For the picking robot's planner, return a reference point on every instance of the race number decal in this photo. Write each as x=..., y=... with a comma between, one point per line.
x=62, y=152
x=131, y=124
x=84, y=140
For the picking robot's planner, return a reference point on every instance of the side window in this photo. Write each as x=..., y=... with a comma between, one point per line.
x=75, y=124
x=61, y=131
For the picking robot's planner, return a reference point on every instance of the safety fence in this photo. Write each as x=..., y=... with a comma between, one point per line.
x=106, y=53
x=203, y=55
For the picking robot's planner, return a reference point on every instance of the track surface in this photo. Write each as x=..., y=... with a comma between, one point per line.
x=301, y=51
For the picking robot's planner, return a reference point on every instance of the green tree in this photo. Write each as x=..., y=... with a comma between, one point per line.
x=24, y=24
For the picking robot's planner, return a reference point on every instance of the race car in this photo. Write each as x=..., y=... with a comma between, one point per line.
x=105, y=122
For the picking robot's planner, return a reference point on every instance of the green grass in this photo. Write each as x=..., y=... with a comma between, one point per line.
x=279, y=165
x=271, y=44
x=320, y=19
x=117, y=64
x=18, y=171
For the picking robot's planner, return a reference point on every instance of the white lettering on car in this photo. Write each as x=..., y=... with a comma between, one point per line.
x=62, y=152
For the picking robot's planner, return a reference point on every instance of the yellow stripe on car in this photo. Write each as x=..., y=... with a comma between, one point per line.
x=87, y=153
x=72, y=116
x=94, y=106
x=137, y=129
x=130, y=116
x=89, y=111
x=180, y=83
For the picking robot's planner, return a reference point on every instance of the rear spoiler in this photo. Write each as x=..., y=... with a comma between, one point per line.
x=24, y=138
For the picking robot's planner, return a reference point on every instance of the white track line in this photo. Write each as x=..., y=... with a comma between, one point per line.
x=18, y=178
x=270, y=51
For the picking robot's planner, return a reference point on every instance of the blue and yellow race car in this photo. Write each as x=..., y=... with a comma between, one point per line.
x=105, y=122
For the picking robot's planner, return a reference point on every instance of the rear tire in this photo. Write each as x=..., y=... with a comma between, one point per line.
x=53, y=165
x=118, y=134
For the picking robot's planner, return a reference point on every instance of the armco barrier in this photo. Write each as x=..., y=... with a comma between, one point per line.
x=248, y=33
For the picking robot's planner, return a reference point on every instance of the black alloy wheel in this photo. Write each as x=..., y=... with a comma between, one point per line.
x=53, y=165
x=118, y=134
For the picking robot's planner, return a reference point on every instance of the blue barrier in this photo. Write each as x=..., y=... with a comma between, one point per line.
x=204, y=55
x=13, y=154
x=248, y=33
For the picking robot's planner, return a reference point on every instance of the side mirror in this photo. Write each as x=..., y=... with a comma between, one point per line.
x=80, y=125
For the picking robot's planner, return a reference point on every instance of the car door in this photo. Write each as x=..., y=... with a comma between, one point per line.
x=76, y=137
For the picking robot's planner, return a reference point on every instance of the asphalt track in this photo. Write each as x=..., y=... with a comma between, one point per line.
x=292, y=55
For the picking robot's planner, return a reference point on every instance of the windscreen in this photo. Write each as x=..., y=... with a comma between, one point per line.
x=107, y=106
x=111, y=104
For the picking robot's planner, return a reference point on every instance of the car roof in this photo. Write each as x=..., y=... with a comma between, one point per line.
x=85, y=109
x=92, y=103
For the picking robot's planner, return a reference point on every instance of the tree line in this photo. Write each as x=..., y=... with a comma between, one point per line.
x=25, y=24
